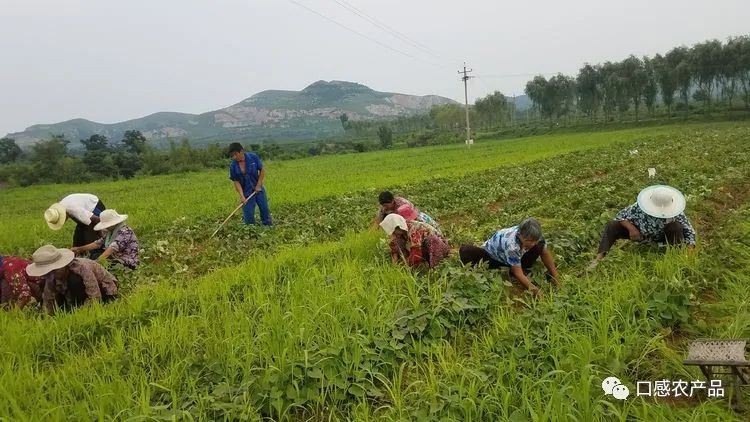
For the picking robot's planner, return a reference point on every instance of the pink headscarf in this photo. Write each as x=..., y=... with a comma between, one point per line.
x=408, y=212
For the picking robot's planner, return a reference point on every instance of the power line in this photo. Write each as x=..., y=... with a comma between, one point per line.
x=363, y=35
x=381, y=25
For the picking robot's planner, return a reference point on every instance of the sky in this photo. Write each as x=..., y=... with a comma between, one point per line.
x=110, y=61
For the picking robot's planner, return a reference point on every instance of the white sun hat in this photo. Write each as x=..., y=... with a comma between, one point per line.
x=391, y=221
x=661, y=201
x=48, y=258
x=55, y=216
x=109, y=218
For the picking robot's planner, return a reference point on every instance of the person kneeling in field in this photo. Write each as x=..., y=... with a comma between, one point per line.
x=414, y=242
x=118, y=240
x=16, y=287
x=390, y=204
x=517, y=247
x=657, y=216
x=70, y=281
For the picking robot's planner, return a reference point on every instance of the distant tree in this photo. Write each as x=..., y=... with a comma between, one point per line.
x=666, y=80
x=741, y=49
x=492, y=108
x=679, y=62
x=634, y=79
x=344, y=121
x=127, y=162
x=155, y=162
x=96, y=143
x=385, y=134
x=651, y=89
x=705, y=59
x=9, y=151
x=611, y=88
x=588, y=90
x=535, y=90
x=98, y=157
x=48, y=156
x=134, y=141
x=561, y=90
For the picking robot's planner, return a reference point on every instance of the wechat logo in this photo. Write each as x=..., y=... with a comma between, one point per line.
x=616, y=388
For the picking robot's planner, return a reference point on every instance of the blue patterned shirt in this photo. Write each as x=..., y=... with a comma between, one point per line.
x=505, y=246
x=652, y=228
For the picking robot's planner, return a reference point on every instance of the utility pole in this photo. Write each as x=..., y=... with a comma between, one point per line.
x=466, y=78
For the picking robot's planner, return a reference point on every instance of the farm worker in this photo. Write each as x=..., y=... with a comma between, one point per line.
x=657, y=216
x=412, y=214
x=414, y=242
x=84, y=209
x=70, y=281
x=247, y=173
x=118, y=240
x=16, y=287
x=390, y=204
x=517, y=247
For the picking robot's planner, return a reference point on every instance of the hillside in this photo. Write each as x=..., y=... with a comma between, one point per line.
x=271, y=115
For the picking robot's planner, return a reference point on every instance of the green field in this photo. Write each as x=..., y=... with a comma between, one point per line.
x=310, y=321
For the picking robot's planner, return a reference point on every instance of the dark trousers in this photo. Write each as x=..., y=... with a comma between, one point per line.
x=470, y=254
x=615, y=230
x=248, y=211
x=85, y=233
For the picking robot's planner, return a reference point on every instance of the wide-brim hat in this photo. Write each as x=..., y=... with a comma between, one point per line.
x=48, y=258
x=109, y=218
x=55, y=216
x=391, y=221
x=661, y=201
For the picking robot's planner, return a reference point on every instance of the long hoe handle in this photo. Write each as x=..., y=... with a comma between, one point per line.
x=230, y=215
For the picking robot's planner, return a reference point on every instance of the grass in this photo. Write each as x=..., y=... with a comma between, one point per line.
x=314, y=323
x=157, y=201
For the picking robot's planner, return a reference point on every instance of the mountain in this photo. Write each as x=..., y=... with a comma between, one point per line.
x=266, y=116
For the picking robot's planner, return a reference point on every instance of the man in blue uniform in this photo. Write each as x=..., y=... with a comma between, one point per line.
x=247, y=173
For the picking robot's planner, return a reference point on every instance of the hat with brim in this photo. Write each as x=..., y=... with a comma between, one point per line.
x=391, y=221
x=48, y=258
x=55, y=216
x=109, y=218
x=661, y=201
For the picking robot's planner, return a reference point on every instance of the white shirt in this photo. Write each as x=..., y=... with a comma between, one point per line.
x=80, y=206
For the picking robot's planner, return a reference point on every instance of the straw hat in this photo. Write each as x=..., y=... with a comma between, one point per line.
x=55, y=216
x=661, y=201
x=391, y=221
x=48, y=258
x=109, y=218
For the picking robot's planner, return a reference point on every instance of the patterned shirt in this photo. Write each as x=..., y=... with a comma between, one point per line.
x=96, y=280
x=652, y=228
x=16, y=286
x=124, y=247
x=505, y=246
x=423, y=217
x=424, y=244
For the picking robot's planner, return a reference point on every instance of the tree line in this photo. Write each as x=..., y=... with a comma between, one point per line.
x=710, y=72
x=53, y=161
